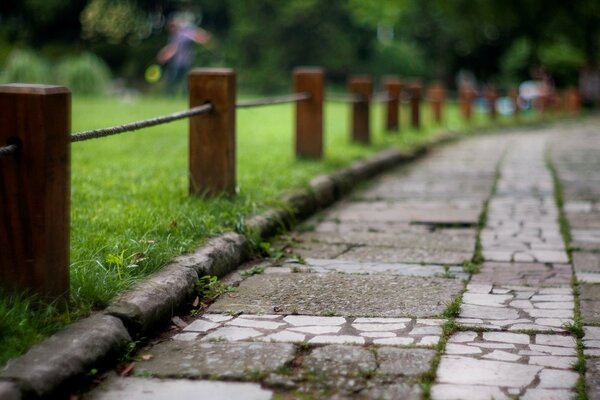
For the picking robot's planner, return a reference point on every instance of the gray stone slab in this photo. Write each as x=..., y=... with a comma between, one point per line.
x=162, y=389
x=587, y=220
x=379, y=211
x=341, y=294
x=340, y=360
x=404, y=362
x=67, y=354
x=394, y=391
x=9, y=391
x=592, y=378
x=408, y=238
x=233, y=360
x=311, y=265
x=586, y=262
x=523, y=274
x=589, y=300
x=405, y=255
x=312, y=249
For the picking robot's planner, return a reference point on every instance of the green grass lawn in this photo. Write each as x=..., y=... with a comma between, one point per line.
x=130, y=210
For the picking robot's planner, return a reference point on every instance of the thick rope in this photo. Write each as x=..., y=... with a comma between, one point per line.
x=134, y=126
x=292, y=98
x=7, y=150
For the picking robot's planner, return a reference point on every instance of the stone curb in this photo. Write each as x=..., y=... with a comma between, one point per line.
x=63, y=357
x=48, y=367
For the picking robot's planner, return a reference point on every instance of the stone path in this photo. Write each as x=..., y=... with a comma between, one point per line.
x=365, y=303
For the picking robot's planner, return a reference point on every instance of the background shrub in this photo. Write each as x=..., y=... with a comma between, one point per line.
x=24, y=66
x=85, y=74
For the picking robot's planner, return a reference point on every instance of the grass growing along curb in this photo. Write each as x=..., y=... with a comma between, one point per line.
x=576, y=327
x=130, y=212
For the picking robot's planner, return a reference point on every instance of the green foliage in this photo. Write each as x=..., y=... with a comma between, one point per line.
x=516, y=61
x=563, y=60
x=25, y=321
x=24, y=66
x=85, y=74
x=256, y=270
x=209, y=288
x=403, y=57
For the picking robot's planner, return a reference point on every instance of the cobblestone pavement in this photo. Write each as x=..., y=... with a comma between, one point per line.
x=373, y=298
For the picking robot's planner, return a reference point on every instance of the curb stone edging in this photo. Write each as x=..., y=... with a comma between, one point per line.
x=46, y=368
x=63, y=357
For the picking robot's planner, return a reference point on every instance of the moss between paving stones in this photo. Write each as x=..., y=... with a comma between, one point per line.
x=151, y=303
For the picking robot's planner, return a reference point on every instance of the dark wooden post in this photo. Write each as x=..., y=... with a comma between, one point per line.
x=415, y=104
x=436, y=96
x=513, y=93
x=362, y=88
x=491, y=95
x=35, y=190
x=212, y=135
x=573, y=101
x=466, y=97
x=309, y=113
x=393, y=88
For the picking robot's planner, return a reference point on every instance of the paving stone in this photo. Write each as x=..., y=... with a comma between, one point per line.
x=186, y=336
x=429, y=341
x=231, y=333
x=340, y=360
x=555, y=340
x=227, y=360
x=506, y=337
x=397, y=341
x=462, y=337
x=284, y=336
x=592, y=378
x=523, y=274
x=589, y=300
x=535, y=394
x=466, y=392
x=317, y=330
x=200, y=326
x=554, y=350
x=160, y=389
x=392, y=392
x=469, y=371
x=397, y=296
x=502, y=356
x=337, y=339
x=490, y=313
x=379, y=327
x=455, y=348
x=382, y=320
x=591, y=332
x=553, y=361
x=304, y=320
x=404, y=362
x=405, y=255
x=551, y=378
x=586, y=262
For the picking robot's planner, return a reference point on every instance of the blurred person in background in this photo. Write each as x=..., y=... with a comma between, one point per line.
x=179, y=53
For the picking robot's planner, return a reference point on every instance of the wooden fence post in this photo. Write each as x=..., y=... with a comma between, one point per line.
x=361, y=87
x=35, y=190
x=212, y=135
x=491, y=94
x=436, y=96
x=466, y=97
x=393, y=87
x=513, y=94
x=415, y=104
x=309, y=113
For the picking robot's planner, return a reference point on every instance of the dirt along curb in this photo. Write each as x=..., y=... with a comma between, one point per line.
x=48, y=368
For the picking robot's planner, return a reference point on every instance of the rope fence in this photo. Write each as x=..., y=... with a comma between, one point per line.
x=134, y=126
x=286, y=99
x=8, y=150
x=42, y=123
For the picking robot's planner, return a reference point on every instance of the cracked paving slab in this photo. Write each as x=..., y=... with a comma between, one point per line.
x=314, y=330
x=341, y=294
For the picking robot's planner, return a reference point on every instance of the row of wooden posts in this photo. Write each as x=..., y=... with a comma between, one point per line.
x=35, y=182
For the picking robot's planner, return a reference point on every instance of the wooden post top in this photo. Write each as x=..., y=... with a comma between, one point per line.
x=27, y=88
x=309, y=70
x=212, y=71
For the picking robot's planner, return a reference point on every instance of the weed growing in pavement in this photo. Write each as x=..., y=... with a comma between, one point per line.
x=208, y=287
x=576, y=327
x=256, y=270
x=471, y=267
